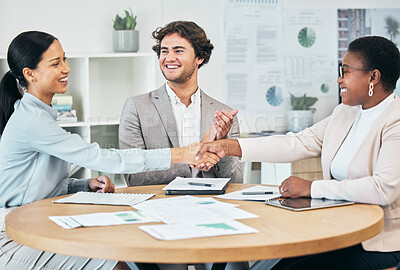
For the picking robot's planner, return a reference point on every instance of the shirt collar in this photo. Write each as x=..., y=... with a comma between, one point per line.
x=374, y=111
x=175, y=99
x=29, y=98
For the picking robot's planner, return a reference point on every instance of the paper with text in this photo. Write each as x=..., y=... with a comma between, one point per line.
x=102, y=219
x=106, y=198
x=185, y=209
x=197, y=230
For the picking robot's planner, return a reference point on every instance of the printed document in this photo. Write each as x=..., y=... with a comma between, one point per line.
x=197, y=229
x=102, y=219
x=186, y=209
x=106, y=198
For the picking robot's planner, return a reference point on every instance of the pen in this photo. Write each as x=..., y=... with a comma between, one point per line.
x=200, y=184
x=257, y=192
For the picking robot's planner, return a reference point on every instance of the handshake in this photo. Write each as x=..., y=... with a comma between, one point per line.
x=204, y=156
x=212, y=147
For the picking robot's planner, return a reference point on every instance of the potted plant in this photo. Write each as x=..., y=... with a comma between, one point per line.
x=125, y=37
x=301, y=115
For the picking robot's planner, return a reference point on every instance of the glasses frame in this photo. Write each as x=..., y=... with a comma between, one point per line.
x=341, y=67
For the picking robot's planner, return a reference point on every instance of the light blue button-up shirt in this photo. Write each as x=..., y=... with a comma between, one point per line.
x=35, y=156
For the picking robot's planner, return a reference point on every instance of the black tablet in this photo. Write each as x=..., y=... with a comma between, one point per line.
x=300, y=204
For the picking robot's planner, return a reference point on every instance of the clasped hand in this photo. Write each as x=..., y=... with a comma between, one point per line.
x=101, y=184
x=188, y=155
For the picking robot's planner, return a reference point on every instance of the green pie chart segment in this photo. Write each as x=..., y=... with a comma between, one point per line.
x=274, y=96
x=306, y=37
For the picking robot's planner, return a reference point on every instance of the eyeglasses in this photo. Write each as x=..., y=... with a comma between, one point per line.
x=341, y=67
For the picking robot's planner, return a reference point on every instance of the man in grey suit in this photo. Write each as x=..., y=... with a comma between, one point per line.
x=179, y=112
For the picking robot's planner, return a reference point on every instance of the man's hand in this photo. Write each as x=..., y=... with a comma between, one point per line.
x=227, y=147
x=221, y=126
x=295, y=187
x=101, y=184
x=188, y=153
x=224, y=122
x=216, y=147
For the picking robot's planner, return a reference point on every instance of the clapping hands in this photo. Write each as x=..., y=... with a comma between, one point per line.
x=221, y=126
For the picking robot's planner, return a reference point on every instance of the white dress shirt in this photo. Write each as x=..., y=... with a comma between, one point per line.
x=188, y=119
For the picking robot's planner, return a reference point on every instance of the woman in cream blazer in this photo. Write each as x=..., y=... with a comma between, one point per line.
x=359, y=145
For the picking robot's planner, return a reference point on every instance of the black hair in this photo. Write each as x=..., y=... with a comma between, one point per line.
x=379, y=53
x=190, y=31
x=25, y=51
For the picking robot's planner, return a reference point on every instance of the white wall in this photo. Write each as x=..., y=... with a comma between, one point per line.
x=81, y=25
x=86, y=26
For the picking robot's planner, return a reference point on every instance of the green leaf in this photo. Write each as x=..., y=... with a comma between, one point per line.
x=126, y=23
x=303, y=102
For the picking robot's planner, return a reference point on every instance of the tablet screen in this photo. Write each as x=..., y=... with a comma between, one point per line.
x=299, y=204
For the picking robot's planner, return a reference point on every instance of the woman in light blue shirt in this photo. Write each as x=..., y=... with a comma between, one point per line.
x=35, y=153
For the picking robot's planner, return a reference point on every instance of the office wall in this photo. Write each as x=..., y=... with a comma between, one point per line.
x=86, y=26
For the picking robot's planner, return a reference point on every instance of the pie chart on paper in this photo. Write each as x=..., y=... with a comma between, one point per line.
x=274, y=96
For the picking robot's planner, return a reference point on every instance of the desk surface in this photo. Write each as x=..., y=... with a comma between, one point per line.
x=283, y=233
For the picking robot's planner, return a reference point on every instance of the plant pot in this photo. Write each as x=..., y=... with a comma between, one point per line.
x=297, y=120
x=126, y=40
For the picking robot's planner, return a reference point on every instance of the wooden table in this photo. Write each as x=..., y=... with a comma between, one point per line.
x=283, y=233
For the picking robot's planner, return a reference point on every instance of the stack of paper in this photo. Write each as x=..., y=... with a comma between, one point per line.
x=191, y=209
x=193, y=217
x=196, y=186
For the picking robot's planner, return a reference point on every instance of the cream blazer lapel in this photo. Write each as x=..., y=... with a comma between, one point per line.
x=336, y=131
x=163, y=105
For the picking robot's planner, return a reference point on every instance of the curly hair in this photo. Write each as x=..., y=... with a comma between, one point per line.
x=191, y=32
x=379, y=53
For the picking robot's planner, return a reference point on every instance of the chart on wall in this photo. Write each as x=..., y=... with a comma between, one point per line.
x=271, y=52
x=253, y=57
x=309, y=60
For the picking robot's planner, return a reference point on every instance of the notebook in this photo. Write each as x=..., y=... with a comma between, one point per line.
x=196, y=186
x=300, y=204
x=106, y=198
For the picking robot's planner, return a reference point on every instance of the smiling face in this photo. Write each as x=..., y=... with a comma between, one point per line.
x=178, y=61
x=51, y=75
x=355, y=82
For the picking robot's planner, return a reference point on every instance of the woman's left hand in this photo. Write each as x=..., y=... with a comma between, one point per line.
x=101, y=184
x=295, y=187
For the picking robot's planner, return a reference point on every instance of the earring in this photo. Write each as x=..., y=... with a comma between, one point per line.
x=371, y=89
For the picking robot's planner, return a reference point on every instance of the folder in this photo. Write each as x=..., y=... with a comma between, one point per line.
x=196, y=186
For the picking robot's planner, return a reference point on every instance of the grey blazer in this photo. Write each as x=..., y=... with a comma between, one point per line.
x=148, y=122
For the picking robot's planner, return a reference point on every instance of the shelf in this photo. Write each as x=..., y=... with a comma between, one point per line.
x=109, y=55
x=90, y=124
x=74, y=124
